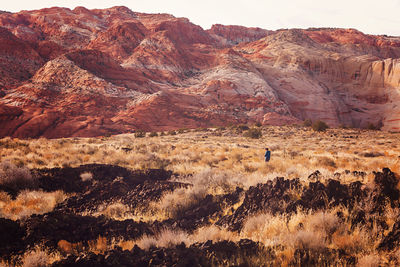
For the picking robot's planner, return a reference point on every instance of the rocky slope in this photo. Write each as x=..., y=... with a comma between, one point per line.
x=93, y=72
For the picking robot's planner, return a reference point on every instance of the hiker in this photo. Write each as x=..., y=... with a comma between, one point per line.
x=267, y=154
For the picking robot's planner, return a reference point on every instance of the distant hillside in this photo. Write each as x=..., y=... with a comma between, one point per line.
x=105, y=71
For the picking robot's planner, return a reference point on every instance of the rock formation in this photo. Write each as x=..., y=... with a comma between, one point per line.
x=93, y=72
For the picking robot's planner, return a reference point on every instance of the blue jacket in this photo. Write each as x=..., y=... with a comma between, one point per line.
x=267, y=155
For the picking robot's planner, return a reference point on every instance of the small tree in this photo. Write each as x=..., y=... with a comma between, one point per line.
x=319, y=126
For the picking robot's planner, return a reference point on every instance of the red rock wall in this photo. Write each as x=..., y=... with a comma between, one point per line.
x=93, y=72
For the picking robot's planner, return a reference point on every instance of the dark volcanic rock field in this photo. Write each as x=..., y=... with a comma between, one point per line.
x=73, y=221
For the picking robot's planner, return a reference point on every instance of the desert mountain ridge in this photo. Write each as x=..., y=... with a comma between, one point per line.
x=88, y=72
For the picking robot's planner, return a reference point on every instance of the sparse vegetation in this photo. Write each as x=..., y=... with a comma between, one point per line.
x=39, y=257
x=307, y=123
x=86, y=176
x=140, y=134
x=319, y=126
x=371, y=126
x=254, y=133
x=153, y=134
x=216, y=179
x=14, y=177
x=28, y=203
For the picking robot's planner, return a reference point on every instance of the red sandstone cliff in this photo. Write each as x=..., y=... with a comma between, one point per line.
x=91, y=72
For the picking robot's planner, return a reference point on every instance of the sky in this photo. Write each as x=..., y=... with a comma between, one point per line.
x=372, y=17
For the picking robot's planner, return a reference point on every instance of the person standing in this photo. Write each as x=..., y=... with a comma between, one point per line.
x=267, y=154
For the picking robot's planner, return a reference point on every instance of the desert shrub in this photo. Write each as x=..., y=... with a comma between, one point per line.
x=153, y=134
x=265, y=228
x=172, y=132
x=319, y=126
x=254, y=133
x=371, y=126
x=86, y=176
x=217, y=133
x=372, y=154
x=371, y=260
x=202, y=129
x=174, y=203
x=307, y=123
x=66, y=165
x=242, y=127
x=12, y=143
x=258, y=124
x=36, y=259
x=181, y=131
x=39, y=257
x=166, y=238
x=327, y=162
x=214, y=233
x=115, y=210
x=14, y=177
x=152, y=161
x=28, y=203
x=140, y=134
x=309, y=239
x=324, y=222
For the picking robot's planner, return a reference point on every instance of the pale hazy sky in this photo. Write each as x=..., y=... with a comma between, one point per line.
x=374, y=17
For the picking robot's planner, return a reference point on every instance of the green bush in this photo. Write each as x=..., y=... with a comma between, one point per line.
x=140, y=134
x=253, y=133
x=319, y=126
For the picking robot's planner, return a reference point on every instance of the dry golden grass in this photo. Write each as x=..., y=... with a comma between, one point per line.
x=296, y=152
x=216, y=162
x=28, y=203
x=38, y=257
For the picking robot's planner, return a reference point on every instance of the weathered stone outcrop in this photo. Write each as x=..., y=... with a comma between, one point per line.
x=87, y=72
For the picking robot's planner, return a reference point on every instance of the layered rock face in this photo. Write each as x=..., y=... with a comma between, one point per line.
x=93, y=72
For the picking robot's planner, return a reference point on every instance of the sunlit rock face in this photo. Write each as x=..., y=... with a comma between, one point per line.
x=105, y=71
